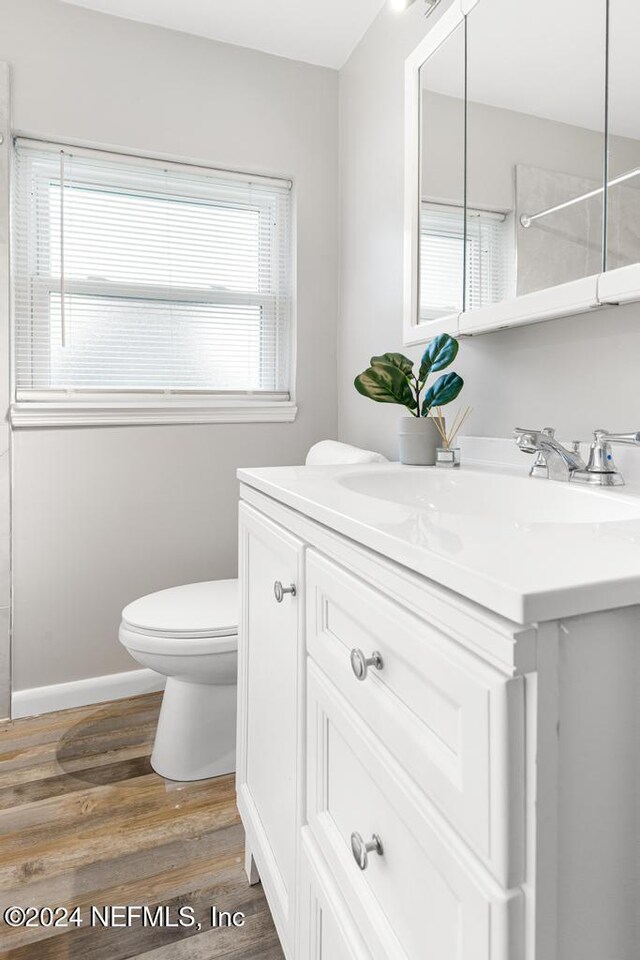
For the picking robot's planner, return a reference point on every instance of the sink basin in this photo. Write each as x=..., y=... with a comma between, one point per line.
x=527, y=549
x=501, y=498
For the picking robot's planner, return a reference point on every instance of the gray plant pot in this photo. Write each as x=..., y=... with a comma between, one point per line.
x=419, y=439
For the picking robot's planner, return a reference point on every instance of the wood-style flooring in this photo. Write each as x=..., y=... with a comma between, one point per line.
x=84, y=821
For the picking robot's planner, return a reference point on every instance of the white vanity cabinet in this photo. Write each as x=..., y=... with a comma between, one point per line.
x=460, y=757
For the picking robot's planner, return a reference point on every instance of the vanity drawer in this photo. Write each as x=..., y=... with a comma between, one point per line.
x=453, y=722
x=425, y=895
x=327, y=930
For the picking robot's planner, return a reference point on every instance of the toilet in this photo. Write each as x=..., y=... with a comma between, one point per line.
x=190, y=635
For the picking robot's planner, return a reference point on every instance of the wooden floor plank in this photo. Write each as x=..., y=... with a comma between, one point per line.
x=52, y=726
x=85, y=821
x=84, y=749
x=97, y=808
x=142, y=831
x=62, y=784
x=77, y=768
x=162, y=887
x=229, y=892
x=139, y=868
x=222, y=945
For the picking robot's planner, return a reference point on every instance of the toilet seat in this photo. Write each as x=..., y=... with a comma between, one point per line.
x=208, y=609
x=196, y=618
x=175, y=646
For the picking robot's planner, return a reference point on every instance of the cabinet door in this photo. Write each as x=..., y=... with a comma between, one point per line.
x=268, y=691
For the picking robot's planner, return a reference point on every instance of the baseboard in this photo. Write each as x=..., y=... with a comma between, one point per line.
x=82, y=693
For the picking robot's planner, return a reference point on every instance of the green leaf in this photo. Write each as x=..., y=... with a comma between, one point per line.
x=439, y=354
x=444, y=390
x=396, y=360
x=385, y=383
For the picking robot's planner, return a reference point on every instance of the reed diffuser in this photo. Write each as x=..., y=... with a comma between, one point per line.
x=448, y=455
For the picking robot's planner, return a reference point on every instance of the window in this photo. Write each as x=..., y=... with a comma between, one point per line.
x=442, y=239
x=149, y=285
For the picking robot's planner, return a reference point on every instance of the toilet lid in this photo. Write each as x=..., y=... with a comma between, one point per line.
x=208, y=609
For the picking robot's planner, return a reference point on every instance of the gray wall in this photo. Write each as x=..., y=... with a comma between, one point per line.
x=104, y=515
x=577, y=373
x=500, y=139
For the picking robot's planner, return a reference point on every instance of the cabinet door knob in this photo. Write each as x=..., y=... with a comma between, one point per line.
x=280, y=591
x=360, y=664
x=361, y=850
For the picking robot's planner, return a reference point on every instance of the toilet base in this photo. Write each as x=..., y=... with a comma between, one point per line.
x=196, y=735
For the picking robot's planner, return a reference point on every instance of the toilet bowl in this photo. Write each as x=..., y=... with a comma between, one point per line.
x=190, y=635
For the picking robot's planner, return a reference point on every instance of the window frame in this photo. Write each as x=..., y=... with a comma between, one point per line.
x=115, y=406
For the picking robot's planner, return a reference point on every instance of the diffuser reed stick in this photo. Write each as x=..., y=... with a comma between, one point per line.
x=448, y=436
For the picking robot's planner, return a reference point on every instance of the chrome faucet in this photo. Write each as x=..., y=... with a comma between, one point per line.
x=559, y=463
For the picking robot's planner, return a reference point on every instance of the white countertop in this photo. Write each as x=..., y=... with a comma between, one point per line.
x=529, y=550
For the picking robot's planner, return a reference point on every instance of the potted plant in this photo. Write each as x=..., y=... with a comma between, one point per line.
x=391, y=379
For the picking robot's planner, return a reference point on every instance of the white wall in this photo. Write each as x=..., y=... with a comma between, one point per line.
x=577, y=374
x=104, y=515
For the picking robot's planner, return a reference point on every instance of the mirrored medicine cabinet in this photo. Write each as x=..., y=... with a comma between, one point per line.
x=522, y=164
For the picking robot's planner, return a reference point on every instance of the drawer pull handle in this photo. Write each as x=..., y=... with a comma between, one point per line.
x=361, y=850
x=280, y=591
x=360, y=665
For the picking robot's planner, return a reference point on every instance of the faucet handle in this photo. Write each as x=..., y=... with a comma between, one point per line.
x=526, y=439
x=603, y=436
x=601, y=469
x=520, y=432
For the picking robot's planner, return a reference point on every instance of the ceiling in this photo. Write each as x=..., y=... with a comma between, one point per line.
x=322, y=32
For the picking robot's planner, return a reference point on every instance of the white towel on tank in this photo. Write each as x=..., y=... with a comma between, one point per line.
x=328, y=452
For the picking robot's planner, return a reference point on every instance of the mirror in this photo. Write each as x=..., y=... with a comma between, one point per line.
x=441, y=260
x=623, y=173
x=509, y=181
x=535, y=147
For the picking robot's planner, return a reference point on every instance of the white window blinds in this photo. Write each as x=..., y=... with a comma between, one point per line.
x=133, y=275
x=441, y=261
x=442, y=266
x=487, y=258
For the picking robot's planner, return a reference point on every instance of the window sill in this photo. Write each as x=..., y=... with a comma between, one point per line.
x=110, y=413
